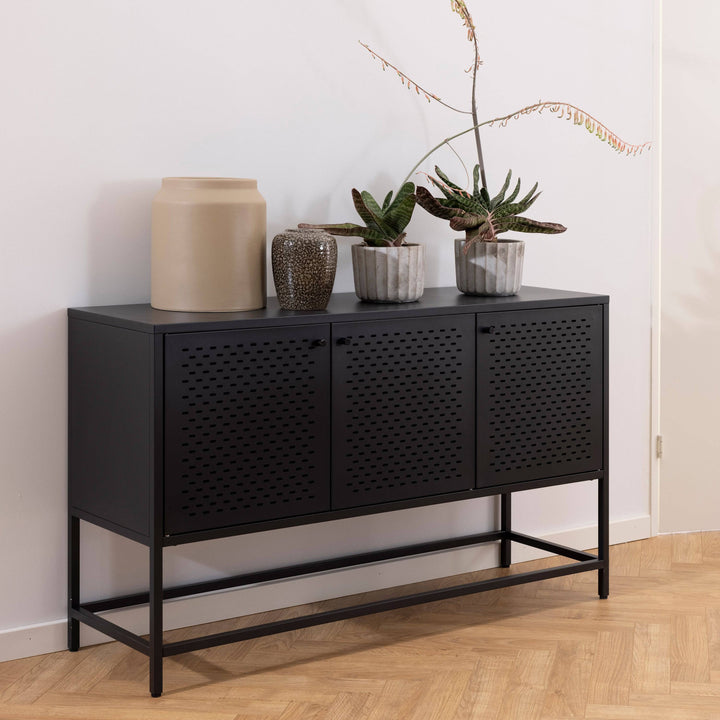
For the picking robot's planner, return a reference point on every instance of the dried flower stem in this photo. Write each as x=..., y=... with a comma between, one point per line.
x=459, y=7
x=478, y=144
x=562, y=110
x=411, y=84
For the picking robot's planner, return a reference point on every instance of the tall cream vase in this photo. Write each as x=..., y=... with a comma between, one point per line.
x=208, y=245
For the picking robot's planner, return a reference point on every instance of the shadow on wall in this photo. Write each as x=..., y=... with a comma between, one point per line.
x=119, y=243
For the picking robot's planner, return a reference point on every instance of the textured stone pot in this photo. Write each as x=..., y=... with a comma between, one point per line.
x=489, y=268
x=389, y=274
x=208, y=245
x=304, y=263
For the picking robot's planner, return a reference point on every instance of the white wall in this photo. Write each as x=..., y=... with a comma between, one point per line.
x=690, y=389
x=101, y=99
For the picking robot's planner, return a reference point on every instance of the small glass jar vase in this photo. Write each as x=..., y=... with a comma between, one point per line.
x=304, y=263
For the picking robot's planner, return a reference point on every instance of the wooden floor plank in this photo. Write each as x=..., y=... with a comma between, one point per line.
x=11, y=672
x=525, y=691
x=651, y=659
x=656, y=554
x=690, y=653
x=348, y=705
x=687, y=548
x=396, y=700
x=612, y=668
x=41, y=678
x=569, y=683
x=485, y=690
x=710, y=546
x=712, y=618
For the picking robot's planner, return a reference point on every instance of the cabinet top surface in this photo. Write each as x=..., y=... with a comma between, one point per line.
x=342, y=307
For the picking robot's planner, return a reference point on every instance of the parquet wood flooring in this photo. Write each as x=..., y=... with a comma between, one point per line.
x=544, y=651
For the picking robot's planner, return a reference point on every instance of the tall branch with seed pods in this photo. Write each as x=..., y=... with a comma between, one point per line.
x=460, y=8
x=561, y=109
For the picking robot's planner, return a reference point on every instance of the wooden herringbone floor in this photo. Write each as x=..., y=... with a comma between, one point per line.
x=545, y=650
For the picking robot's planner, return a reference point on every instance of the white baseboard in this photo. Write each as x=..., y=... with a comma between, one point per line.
x=51, y=636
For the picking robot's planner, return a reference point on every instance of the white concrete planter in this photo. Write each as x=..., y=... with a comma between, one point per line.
x=489, y=268
x=389, y=274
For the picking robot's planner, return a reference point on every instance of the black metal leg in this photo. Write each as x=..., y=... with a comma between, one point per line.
x=73, y=641
x=505, y=526
x=156, y=619
x=604, y=536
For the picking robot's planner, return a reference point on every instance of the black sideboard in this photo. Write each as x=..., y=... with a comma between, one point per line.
x=194, y=426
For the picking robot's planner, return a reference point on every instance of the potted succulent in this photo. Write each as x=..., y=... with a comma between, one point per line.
x=385, y=268
x=485, y=263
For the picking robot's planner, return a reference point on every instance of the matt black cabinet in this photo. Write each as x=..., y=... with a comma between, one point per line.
x=187, y=427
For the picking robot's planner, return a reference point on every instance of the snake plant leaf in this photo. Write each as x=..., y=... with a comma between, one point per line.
x=371, y=203
x=388, y=199
x=447, y=180
x=399, y=239
x=377, y=216
x=348, y=230
x=486, y=232
x=501, y=195
x=467, y=203
x=446, y=191
x=519, y=224
x=362, y=209
x=407, y=189
x=476, y=181
x=467, y=221
x=529, y=195
x=429, y=202
x=457, y=198
x=506, y=210
x=400, y=212
x=485, y=198
x=514, y=193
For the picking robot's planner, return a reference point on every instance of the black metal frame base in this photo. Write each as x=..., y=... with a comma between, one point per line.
x=156, y=649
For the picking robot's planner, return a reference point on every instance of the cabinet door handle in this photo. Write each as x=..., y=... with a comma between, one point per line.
x=322, y=342
x=344, y=341
x=488, y=330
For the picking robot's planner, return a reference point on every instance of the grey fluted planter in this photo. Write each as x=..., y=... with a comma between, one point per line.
x=489, y=268
x=389, y=274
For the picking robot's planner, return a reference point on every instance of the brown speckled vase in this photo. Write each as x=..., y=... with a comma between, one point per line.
x=304, y=263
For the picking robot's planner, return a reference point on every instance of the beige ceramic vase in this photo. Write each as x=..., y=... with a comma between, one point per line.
x=208, y=245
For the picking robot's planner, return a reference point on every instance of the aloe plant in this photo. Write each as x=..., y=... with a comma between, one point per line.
x=384, y=224
x=479, y=215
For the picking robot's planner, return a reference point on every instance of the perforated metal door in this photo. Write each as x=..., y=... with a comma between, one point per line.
x=403, y=409
x=246, y=426
x=540, y=402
